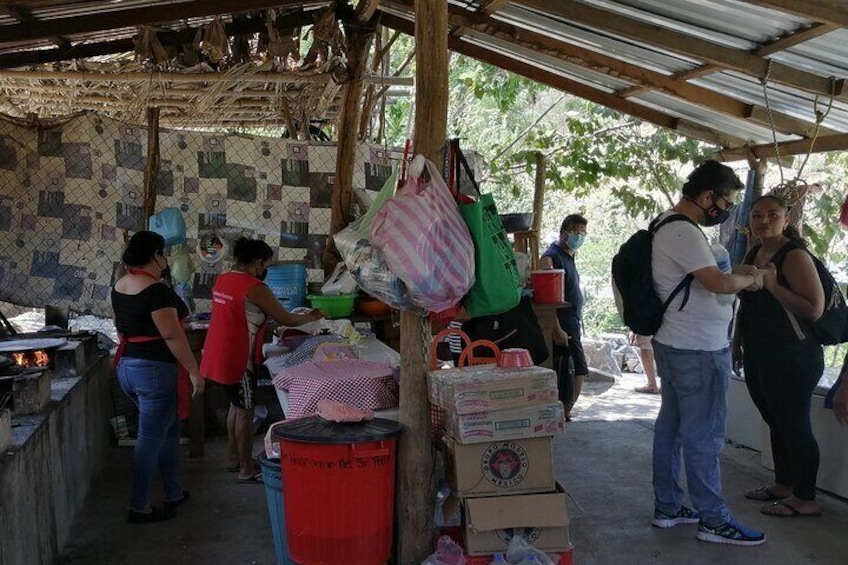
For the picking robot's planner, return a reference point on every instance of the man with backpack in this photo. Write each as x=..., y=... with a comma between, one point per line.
x=693, y=355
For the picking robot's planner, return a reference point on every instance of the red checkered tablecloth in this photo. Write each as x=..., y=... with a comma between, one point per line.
x=362, y=384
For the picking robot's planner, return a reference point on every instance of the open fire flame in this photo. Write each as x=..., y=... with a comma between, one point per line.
x=37, y=358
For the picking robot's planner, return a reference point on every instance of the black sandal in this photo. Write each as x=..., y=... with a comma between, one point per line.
x=155, y=515
x=173, y=504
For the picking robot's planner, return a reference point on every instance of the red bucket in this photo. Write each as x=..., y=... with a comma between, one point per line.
x=548, y=286
x=338, y=487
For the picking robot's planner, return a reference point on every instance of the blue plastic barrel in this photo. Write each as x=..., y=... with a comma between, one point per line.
x=288, y=283
x=276, y=511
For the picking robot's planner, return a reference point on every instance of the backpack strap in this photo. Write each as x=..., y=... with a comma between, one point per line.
x=686, y=283
x=778, y=259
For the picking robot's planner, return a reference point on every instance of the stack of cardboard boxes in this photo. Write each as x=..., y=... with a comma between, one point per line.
x=500, y=424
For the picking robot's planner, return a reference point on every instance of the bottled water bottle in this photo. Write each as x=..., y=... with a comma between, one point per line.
x=499, y=560
x=722, y=258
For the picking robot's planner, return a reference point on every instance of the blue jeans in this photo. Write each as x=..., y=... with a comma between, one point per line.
x=152, y=387
x=692, y=420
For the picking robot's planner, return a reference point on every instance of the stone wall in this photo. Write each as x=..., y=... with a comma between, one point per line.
x=46, y=472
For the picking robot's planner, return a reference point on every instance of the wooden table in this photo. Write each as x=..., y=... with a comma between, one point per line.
x=547, y=316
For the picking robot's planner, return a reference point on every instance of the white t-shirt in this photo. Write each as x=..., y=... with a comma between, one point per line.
x=680, y=248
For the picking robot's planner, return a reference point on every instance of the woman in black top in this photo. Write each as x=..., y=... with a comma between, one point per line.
x=147, y=317
x=782, y=362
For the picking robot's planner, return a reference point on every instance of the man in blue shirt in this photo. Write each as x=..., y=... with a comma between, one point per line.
x=567, y=344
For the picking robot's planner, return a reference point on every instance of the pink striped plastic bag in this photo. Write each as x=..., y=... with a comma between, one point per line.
x=425, y=241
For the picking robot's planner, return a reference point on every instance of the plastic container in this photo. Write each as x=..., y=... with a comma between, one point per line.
x=274, y=496
x=548, y=286
x=338, y=483
x=373, y=307
x=517, y=222
x=287, y=282
x=333, y=306
x=515, y=358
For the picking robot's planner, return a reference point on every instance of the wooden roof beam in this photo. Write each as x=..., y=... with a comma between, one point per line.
x=132, y=17
x=794, y=38
x=178, y=37
x=838, y=142
x=647, y=79
x=826, y=11
x=24, y=16
x=124, y=77
x=781, y=43
x=573, y=87
x=489, y=7
x=688, y=45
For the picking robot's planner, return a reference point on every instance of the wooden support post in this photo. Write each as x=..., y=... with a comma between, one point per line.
x=359, y=40
x=151, y=170
x=539, y=191
x=415, y=471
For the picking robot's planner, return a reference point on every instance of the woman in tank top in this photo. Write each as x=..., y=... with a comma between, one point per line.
x=152, y=342
x=782, y=363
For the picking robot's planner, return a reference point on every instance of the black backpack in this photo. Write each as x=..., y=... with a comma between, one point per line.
x=641, y=307
x=832, y=327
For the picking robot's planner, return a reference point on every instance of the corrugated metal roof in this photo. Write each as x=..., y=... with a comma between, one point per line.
x=662, y=60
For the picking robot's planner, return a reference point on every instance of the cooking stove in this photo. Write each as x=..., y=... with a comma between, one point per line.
x=29, y=362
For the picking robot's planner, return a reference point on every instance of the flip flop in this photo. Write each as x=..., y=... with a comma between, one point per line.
x=763, y=494
x=793, y=512
x=255, y=479
x=647, y=390
x=233, y=468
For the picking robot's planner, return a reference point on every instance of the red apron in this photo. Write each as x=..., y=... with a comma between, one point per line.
x=184, y=387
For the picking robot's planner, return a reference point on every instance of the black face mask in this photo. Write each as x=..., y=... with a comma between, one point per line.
x=715, y=215
x=261, y=276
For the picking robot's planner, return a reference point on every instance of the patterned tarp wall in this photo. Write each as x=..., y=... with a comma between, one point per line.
x=69, y=193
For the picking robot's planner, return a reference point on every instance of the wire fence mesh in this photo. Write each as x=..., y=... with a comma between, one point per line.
x=71, y=192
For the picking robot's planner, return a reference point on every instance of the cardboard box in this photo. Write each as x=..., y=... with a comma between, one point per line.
x=502, y=467
x=481, y=388
x=542, y=518
x=512, y=423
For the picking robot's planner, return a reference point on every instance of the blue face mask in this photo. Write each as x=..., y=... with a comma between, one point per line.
x=575, y=240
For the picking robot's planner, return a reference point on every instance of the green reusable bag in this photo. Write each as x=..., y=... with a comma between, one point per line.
x=497, y=287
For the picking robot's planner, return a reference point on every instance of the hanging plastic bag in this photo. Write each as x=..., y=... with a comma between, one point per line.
x=425, y=241
x=169, y=223
x=365, y=263
x=340, y=282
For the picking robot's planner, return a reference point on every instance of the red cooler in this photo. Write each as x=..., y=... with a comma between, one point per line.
x=338, y=487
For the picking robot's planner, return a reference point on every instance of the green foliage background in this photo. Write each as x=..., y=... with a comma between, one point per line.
x=614, y=169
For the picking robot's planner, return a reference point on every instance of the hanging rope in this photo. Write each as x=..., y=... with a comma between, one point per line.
x=793, y=191
x=764, y=83
x=820, y=116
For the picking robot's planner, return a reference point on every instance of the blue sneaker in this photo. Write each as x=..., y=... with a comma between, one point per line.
x=683, y=516
x=730, y=532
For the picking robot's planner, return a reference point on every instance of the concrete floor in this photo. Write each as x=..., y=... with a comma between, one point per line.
x=604, y=461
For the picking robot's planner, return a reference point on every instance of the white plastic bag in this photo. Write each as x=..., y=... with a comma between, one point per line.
x=448, y=552
x=366, y=263
x=339, y=282
x=520, y=551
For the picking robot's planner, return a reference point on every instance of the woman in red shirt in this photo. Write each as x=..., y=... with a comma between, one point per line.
x=241, y=304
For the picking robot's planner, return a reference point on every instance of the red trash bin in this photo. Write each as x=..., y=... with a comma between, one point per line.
x=338, y=487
